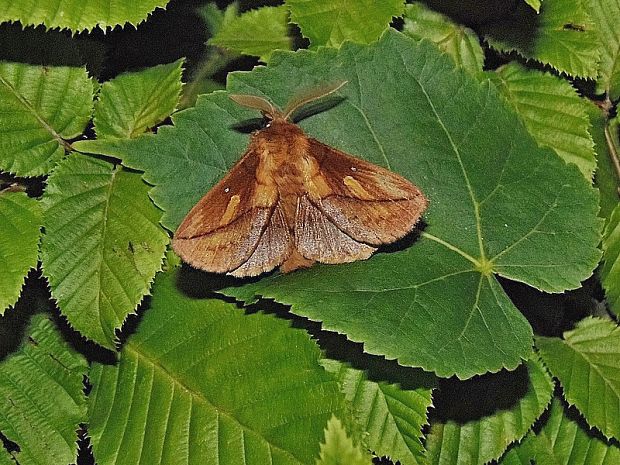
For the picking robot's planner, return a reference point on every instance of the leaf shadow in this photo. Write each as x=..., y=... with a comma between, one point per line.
x=480, y=396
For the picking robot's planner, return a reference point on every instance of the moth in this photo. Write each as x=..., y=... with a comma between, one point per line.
x=292, y=200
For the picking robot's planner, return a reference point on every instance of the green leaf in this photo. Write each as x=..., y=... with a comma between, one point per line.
x=606, y=138
x=41, y=108
x=520, y=454
x=67, y=14
x=604, y=14
x=458, y=41
x=497, y=204
x=329, y=22
x=610, y=272
x=102, y=244
x=339, y=449
x=393, y=416
x=256, y=32
x=587, y=363
x=215, y=19
x=562, y=35
x=535, y=4
x=563, y=441
x=216, y=387
x=132, y=103
x=42, y=401
x=551, y=110
x=506, y=406
x=20, y=224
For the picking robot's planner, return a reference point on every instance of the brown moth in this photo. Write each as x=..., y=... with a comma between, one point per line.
x=292, y=201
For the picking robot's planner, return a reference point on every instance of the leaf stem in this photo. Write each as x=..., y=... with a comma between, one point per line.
x=451, y=247
x=613, y=152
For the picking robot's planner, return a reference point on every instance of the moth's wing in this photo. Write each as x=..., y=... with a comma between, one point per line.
x=370, y=204
x=318, y=238
x=222, y=231
x=273, y=248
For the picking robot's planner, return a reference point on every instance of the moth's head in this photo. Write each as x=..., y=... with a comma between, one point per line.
x=274, y=114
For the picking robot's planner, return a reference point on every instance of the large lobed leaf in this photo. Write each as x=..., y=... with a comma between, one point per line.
x=587, y=363
x=458, y=41
x=20, y=224
x=604, y=14
x=392, y=416
x=562, y=35
x=552, y=111
x=41, y=107
x=42, y=401
x=329, y=22
x=256, y=32
x=202, y=382
x=132, y=103
x=77, y=16
x=610, y=272
x=461, y=441
x=498, y=203
x=102, y=244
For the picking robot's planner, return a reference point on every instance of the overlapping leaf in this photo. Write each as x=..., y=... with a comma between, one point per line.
x=131, y=103
x=393, y=416
x=563, y=441
x=202, y=382
x=552, y=111
x=328, y=22
x=604, y=14
x=607, y=179
x=102, y=244
x=562, y=35
x=497, y=204
x=339, y=448
x=610, y=272
x=41, y=397
x=458, y=41
x=20, y=223
x=67, y=14
x=478, y=441
x=587, y=363
x=256, y=32
x=41, y=108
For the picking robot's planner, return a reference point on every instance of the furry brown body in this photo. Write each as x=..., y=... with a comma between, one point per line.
x=292, y=200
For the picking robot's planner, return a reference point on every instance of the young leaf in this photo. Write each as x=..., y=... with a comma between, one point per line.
x=41, y=107
x=256, y=32
x=563, y=441
x=477, y=441
x=20, y=224
x=497, y=204
x=393, y=416
x=132, y=103
x=552, y=111
x=41, y=396
x=339, y=449
x=562, y=35
x=535, y=4
x=66, y=14
x=458, y=41
x=610, y=272
x=202, y=382
x=330, y=23
x=102, y=244
x=587, y=363
x=604, y=14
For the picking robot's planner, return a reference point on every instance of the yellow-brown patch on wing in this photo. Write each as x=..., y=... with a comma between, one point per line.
x=356, y=188
x=231, y=210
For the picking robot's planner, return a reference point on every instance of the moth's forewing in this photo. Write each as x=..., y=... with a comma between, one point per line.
x=223, y=229
x=370, y=204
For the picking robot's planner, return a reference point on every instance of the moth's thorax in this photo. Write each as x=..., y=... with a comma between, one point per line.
x=286, y=166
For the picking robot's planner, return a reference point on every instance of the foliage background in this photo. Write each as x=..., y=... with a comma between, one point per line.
x=489, y=335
